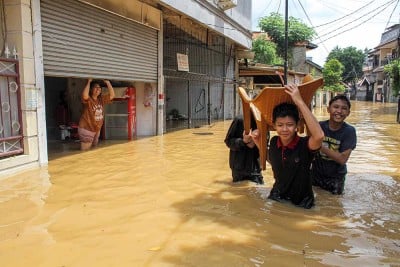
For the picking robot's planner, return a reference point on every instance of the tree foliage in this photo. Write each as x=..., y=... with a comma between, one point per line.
x=332, y=73
x=393, y=69
x=352, y=59
x=274, y=26
x=265, y=51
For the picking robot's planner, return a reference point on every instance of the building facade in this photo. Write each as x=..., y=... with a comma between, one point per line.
x=174, y=55
x=375, y=80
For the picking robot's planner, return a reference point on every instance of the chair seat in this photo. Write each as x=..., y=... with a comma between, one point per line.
x=263, y=104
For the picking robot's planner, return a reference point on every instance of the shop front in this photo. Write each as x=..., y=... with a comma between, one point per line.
x=82, y=40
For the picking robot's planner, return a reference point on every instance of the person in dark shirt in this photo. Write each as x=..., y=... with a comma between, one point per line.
x=291, y=155
x=329, y=167
x=243, y=153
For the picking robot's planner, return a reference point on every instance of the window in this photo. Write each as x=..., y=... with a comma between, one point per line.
x=10, y=109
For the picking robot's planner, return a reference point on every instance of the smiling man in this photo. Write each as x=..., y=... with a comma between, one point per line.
x=329, y=166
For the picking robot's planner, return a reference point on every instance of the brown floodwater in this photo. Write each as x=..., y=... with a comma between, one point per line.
x=169, y=201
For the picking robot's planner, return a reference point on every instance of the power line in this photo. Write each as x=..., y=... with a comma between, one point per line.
x=350, y=19
x=330, y=22
x=309, y=20
x=376, y=10
x=391, y=15
x=296, y=9
x=279, y=6
x=354, y=26
x=339, y=10
x=262, y=12
x=329, y=5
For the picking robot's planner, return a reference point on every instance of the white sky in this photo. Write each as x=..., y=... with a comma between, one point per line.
x=361, y=29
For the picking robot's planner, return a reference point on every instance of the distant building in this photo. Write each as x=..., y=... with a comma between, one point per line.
x=375, y=80
x=313, y=68
x=299, y=62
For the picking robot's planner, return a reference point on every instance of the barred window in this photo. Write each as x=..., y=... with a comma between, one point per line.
x=10, y=109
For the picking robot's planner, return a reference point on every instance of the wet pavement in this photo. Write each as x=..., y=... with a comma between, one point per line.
x=169, y=201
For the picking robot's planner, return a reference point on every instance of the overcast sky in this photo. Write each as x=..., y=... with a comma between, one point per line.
x=357, y=23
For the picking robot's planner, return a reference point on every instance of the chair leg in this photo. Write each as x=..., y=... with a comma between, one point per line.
x=268, y=138
x=263, y=151
x=246, y=116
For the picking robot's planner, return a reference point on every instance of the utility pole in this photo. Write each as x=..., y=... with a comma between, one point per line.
x=285, y=66
x=397, y=57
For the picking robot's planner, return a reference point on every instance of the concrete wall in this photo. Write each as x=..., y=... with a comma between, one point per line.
x=299, y=59
x=19, y=35
x=206, y=13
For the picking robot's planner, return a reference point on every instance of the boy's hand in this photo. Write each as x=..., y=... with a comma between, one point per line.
x=293, y=91
x=255, y=135
x=247, y=137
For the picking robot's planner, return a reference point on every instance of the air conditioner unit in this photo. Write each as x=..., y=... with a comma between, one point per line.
x=226, y=4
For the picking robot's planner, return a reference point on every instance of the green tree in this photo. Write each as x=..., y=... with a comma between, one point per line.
x=274, y=26
x=265, y=51
x=393, y=69
x=332, y=73
x=352, y=59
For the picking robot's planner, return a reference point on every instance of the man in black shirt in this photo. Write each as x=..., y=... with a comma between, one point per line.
x=243, y=153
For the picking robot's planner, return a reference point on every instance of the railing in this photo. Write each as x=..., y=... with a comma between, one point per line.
x=388, y=59
x=11, y=138
x=384, y=62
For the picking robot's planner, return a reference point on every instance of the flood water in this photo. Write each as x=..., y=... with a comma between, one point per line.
x=169, y=201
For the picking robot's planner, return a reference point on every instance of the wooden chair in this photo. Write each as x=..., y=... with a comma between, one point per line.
x=263, y=104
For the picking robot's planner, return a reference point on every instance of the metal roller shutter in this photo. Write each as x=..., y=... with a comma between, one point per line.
x=83, y=41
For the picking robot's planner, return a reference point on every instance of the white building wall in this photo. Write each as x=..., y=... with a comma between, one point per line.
x=208, y=14
x=19, y=35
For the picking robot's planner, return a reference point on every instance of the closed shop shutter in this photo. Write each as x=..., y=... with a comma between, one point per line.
x=80, y=40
